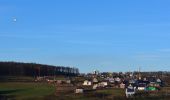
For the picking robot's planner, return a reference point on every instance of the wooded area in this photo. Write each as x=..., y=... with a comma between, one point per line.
x=32, y=69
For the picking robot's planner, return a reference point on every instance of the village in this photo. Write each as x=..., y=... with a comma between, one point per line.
x=44, y=82
x=131, y=83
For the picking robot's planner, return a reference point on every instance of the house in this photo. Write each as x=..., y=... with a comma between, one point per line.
x=117, y=82
x=87, y=83
x=103, y=84
x=79, y=90
x=95, y=80
x=158, y=80
x=132, y=81
x=68, y=81
x=151, y=88
x=155, y=84
x=95, y=86
x=111, y=80
x=145, y=79
x=141, y=87
x=122, y=85
x=58, y=81
x=130, y=91
x=63, y=81
x=117, y=79
x=50, y=81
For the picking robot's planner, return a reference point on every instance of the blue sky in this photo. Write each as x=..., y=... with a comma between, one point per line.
x=110, y=35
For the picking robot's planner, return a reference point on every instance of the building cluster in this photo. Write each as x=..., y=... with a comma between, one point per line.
x=130, y=82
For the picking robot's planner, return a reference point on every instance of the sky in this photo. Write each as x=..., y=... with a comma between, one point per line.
x=107, y=35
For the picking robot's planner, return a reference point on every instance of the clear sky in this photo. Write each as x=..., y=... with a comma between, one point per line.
x=108, y=35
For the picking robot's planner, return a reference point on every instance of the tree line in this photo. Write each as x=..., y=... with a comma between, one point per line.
x=33, y=69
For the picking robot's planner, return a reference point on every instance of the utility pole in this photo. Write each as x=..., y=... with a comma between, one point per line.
x=139, y=74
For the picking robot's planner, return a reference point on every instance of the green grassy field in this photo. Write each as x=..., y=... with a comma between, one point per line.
x=26, y=91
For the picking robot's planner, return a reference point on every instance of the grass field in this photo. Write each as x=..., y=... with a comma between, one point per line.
x=44, y=91
x=26, y=91
x=104, y=94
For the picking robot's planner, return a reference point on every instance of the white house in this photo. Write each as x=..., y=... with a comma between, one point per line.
x=95, y=80
x=102, y=84
x=130, y=91
x=79, y=90
x=117, y=79
x=141, y=87
x=87, y=83
x=95, y=86
x=158, y=80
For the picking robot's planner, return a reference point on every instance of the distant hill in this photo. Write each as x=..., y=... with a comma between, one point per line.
x=33, y=69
